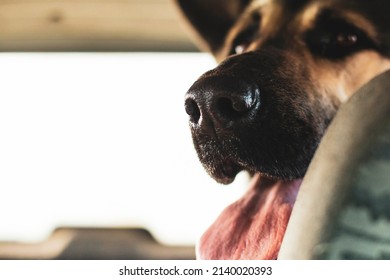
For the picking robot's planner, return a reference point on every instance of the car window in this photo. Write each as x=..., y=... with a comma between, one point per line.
x=102, y=139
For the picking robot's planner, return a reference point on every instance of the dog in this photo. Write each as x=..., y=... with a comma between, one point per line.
x=285, y=67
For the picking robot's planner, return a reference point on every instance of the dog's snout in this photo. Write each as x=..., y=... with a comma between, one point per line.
x=221, y=102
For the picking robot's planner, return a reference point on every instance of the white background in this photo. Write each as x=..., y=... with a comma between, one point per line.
x=47, y=270
x=102, y=140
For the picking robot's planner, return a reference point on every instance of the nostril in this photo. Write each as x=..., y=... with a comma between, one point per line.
x=235, y=106
x=192, y=109
x=226, y=107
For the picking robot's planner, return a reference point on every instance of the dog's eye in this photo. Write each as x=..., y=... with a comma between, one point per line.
x=240, y=48
x=338, y=41
x=346, y=40
x=244, y=39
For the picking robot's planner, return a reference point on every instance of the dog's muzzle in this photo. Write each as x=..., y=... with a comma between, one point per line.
x=249, y=113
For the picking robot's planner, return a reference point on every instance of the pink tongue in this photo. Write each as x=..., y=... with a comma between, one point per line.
x=252, y=227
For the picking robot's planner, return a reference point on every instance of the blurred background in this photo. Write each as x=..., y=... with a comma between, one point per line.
x=96, y=157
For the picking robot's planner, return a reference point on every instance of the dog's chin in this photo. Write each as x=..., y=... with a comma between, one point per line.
x=225, y=171
x=252, y=227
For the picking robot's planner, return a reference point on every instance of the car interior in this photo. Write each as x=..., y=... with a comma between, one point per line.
x=96, y=157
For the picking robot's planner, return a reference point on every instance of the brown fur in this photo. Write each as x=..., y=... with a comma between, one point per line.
x=302, y=81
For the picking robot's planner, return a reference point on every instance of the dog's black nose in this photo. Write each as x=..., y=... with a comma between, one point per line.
x=221, y=102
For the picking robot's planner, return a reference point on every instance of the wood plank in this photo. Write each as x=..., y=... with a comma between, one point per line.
x=82, y=25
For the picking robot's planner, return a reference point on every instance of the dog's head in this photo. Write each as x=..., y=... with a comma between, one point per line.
x=286, y=66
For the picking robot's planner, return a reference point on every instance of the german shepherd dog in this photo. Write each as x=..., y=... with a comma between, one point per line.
x=285, y=68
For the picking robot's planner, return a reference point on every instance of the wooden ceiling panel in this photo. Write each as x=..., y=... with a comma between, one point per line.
x=91, y=25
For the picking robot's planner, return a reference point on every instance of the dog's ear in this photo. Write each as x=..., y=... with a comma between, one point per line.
x=211, y=19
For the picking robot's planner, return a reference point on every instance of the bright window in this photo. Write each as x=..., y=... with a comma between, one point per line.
x=102, y=139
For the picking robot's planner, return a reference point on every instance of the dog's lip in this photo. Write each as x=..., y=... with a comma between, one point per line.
x=225, y=172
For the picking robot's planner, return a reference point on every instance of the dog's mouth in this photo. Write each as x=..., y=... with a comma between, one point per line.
x=252, y=227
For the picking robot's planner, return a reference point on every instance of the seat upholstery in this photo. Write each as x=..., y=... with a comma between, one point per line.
x=343, y=208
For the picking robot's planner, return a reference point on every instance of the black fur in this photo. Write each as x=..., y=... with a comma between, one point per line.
x=262, y=111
